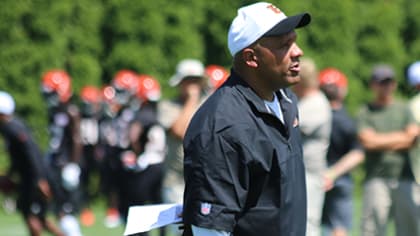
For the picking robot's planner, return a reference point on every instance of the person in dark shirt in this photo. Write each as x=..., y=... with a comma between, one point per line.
x=65, y=147
x=27, y=162
x=140, y=174
x=344, y=153
x=243, y=166
x=114, y=134
x=90, y=112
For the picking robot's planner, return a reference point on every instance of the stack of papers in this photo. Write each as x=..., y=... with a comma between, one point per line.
x=148, y=217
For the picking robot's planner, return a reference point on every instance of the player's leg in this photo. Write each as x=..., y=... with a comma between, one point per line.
x=34, y=225
x=407, y=208
x=376, y=207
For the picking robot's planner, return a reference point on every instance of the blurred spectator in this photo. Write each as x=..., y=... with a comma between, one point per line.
x=65, y=147
x=175, y=116
x=141, y=165
x=344, y=153
x=90, y=109
x=315, y=125
x=216, y=75
x=413, y=76
x=387, y=130
x=27, y=162
x=107, y=166
x=114, y=129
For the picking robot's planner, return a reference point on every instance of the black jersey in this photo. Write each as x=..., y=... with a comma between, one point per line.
x=63, y=125
x=25, y=155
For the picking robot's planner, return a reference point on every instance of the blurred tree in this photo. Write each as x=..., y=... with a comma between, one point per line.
x=379, y=38
x=330, y=39
x=42, y=35
x=411, y=29
x=150, y=37
x=218, y=16
x=410, y=36
x=94, y=39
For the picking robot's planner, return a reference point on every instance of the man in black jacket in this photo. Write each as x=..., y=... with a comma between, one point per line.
x=243, y=156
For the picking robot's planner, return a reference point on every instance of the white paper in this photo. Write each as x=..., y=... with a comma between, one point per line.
x=148, y=217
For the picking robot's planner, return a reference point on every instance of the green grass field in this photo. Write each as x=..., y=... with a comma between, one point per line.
x=12, y=224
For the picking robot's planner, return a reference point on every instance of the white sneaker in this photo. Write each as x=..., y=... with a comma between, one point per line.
x=112, y=219
x=70, y=226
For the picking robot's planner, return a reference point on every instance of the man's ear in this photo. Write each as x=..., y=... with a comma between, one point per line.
x=249, y=57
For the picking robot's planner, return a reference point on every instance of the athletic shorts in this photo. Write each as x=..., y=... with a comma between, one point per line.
x=338, y=206
x=31, y=202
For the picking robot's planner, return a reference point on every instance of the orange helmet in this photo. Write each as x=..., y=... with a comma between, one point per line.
x=125, y=83
x=91, y=98
x=332, y=76
x=57, y=81
x=148, y=88
x=217, y=75
x=91, y=94
x=125, y=80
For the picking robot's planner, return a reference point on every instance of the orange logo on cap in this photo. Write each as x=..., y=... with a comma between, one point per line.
x=274, y=9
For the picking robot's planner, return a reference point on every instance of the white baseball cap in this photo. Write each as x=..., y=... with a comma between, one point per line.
x=7, y=104
x=261, y=19
x=413, y=73
x=187, y=68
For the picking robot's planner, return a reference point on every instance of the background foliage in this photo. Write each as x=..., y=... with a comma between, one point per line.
x=94, y=39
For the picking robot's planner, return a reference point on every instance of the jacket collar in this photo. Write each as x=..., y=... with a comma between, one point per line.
x=244, y=88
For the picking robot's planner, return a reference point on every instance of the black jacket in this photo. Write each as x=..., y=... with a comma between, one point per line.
x=244, y=171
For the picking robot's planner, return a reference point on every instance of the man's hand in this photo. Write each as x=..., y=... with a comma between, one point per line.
x=6, y=184
x=389, y=141
x=413, y=131
x=193, y=91
x=44, y=188
x=329, y=179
